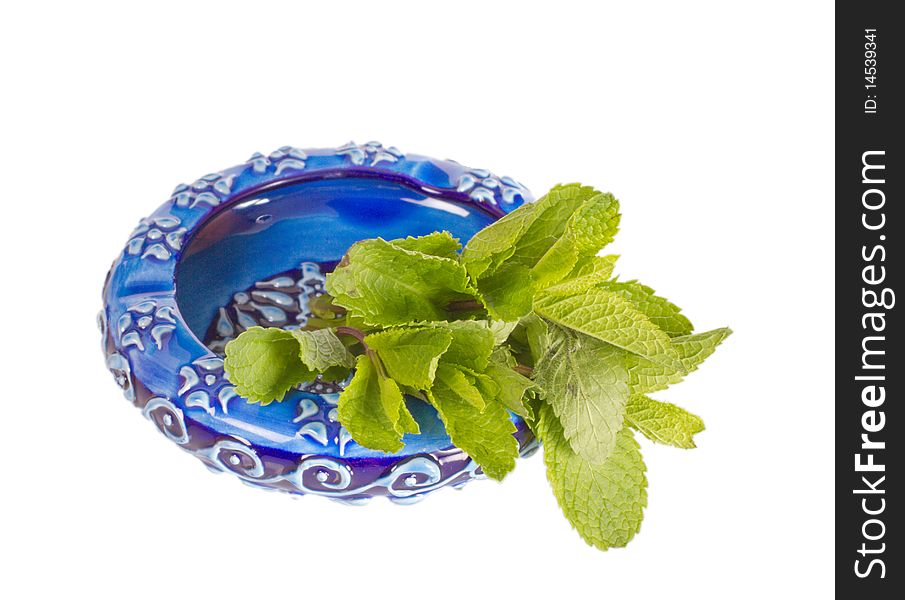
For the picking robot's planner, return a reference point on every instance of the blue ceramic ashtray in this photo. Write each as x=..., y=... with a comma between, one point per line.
x=250, y=245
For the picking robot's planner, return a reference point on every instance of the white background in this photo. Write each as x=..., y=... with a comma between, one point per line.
x=713, y=124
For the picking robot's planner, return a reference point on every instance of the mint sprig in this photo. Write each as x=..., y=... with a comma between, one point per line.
x=526, y=319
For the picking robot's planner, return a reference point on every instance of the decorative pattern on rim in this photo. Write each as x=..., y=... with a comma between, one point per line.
x=178, y=382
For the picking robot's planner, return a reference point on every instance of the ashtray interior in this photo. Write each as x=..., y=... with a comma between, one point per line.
x=299, y=226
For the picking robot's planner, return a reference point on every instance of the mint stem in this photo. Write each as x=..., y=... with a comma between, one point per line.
x=464, y=306
x=523, y=370
x=358, y=334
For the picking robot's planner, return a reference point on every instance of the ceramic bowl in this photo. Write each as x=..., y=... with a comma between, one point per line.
x=250, y=245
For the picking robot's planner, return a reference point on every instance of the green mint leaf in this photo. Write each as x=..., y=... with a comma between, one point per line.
x=369, y=409
x=406, y=423
x=537, y=333
x=661, y=312
x=500, y=256
x=411, y=355
x=486, y=436
x=485, y=384
x=501, y=330
x=507, y=292
x=471, y=345
x=611, y=318
x=551, y=217
x=264, y=364
x=320, y=350
x=461, y=383
x=586, y=383
x=438, y=243
x=604, y=503
x=587, y=231
x=663, y=422
x=513, y=387
x=338, y=373
x=501, y=355
x=646, y=377
x=489, y=247
x=386, y=285
x=587, y=273
x=394, y=407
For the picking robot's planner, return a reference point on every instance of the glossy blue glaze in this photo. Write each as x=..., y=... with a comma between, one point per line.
x=229, y=231
x=316, y=221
